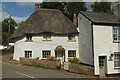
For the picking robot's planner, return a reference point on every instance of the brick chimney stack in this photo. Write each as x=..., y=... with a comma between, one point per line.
x=75, y=20
x=36, y=6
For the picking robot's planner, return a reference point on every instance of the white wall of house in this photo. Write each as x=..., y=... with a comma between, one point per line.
x=85, y=40
x=38, y=45
x=104, y=46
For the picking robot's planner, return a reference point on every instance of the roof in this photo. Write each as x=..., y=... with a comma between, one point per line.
x=101, y=17
x=46, y=20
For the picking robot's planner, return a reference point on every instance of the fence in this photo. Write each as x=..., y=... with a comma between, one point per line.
x=30, y=62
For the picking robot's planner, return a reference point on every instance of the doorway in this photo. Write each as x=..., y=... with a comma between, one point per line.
x=60, y=54
x=102, y=66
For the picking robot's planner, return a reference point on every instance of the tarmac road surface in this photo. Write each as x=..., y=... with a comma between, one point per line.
x=19, y=71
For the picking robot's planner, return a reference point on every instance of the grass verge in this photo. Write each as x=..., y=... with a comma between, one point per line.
x=45, y=67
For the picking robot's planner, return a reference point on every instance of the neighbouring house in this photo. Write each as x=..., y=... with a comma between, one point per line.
x=116, y=9
x=99, y=41
x=47, y=32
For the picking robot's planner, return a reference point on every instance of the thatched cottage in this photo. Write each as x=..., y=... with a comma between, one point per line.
x=47, y=32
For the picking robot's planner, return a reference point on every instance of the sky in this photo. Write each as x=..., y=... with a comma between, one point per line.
x=19, y=11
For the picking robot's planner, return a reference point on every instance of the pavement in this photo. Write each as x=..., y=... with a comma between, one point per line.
x=20, y=71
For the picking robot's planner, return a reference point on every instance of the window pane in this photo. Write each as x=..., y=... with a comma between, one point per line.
x=28, y=54
x=29, y=37
x=46, y=54
x=116, y=33
x=71, y=53
x=117, y=59
x=71, y=37
x=47, y=36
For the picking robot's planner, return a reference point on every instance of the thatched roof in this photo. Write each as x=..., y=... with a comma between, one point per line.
x=46, y=20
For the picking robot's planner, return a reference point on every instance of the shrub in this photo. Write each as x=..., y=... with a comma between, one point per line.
x=73, y=60
x=51, y=58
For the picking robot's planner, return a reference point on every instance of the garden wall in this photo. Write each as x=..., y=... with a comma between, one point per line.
x=7, y=54
x=30, y=62
x=6, y=51
x=81, y=69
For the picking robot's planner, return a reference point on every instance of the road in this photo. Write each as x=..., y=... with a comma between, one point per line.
x=19, y=71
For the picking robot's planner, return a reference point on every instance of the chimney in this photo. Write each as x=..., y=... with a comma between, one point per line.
x=36, y=6
x=75, y=20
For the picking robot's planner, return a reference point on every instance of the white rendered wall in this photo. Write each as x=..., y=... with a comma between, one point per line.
x=38, y=45
x=85, y=40
x=104, y=46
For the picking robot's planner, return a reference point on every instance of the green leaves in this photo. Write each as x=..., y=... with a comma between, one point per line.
x=68, y=8
x=6, y=23
x=101, y=6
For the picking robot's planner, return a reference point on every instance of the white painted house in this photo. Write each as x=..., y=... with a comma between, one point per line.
x=47, y=32
x=99, y=41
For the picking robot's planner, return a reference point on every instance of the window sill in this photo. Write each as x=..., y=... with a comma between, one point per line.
x=46, y=40
x=28, y=40
x=71, y=40
x=117, y=67
x=28, y=58
x=43, y=58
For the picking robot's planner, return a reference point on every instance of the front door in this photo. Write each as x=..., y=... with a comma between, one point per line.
x=60, y=55
x=102, y=65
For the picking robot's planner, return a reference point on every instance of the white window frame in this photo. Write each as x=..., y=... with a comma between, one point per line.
x=29, y=54
x=47, y=52
x=116, y=59
x=72, y=52
x=116, y=34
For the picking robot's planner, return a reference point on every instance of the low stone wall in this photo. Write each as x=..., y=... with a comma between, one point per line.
x=51, y=64
x=81, y=69
x=7, y=50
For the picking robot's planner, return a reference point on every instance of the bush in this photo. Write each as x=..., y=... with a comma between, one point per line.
x=73, y=60
x=51, y=58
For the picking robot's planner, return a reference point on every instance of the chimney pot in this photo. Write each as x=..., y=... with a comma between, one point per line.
x=36, y=6
x=75, y=19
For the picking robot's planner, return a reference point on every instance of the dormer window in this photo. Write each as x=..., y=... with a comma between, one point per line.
x=28, y=38
x=71, y=38
x=47, y=37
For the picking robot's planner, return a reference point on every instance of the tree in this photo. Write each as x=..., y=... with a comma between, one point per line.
x=74, y=7
x=68, y=8
x=101, y=6
x=6, y=23
x=19, y=24
x=52, y=5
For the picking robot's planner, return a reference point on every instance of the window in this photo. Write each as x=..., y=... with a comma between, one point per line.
x=29, y=37
x=101, y=61
x=72, y=53
x=117, y=59
x=28, y=54
x=116, y=34
x=45, y=54
x=71, y=37
x=46, y=36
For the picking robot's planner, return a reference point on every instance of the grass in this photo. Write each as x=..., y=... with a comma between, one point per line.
x=45, y=67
